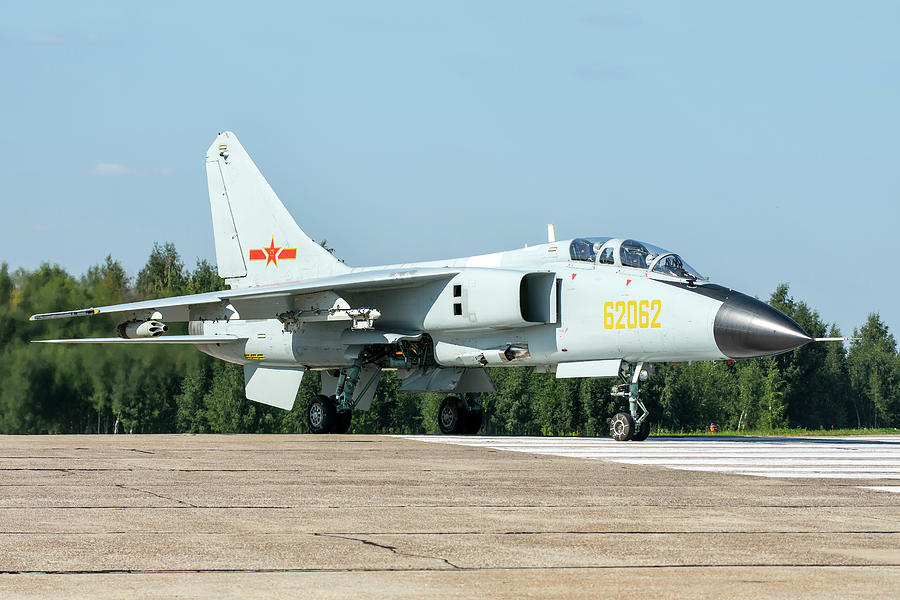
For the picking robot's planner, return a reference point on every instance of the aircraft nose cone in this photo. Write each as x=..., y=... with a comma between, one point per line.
x=747, y=328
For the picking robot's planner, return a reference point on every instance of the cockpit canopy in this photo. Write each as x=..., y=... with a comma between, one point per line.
x=633, y=254
x=585, y=248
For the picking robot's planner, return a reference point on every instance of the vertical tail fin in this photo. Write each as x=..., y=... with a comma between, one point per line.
x=257, y=240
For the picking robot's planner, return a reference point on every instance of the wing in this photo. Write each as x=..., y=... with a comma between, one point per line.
x=163, y=339
x=178, y=308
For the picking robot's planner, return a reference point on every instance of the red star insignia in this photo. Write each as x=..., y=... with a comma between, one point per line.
x=272, y=253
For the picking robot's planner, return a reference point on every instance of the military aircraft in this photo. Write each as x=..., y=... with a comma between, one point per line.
x=587, y=307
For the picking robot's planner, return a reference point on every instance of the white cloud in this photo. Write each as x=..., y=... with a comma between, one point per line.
x=104, y=169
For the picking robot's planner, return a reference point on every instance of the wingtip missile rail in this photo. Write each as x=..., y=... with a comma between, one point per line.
x=82, y=312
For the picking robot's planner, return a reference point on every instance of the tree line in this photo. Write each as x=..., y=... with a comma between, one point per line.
x=51, y=388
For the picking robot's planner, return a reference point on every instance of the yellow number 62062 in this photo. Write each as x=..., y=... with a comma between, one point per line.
x=634, y=314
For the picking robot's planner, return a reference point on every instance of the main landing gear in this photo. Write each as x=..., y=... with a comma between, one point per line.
x=631, y=425
x=323, y=416
x=461, y=415
x=333, y=414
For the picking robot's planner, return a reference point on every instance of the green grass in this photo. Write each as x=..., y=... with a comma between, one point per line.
x=779, y=432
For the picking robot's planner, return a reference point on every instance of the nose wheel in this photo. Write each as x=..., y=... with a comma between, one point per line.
x=642, y=431
x=621, y=427
x=635, y=424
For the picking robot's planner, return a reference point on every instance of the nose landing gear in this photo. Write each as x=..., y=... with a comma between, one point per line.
x=633, y=425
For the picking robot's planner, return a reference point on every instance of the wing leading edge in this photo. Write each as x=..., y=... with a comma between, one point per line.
x=177, y=308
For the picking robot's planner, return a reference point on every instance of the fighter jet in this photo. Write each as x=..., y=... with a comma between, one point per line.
x=604, y=307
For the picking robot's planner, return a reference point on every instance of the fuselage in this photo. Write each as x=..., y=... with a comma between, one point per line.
x=556, y=305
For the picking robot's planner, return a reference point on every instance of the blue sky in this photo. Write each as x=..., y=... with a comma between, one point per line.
x=761, y=140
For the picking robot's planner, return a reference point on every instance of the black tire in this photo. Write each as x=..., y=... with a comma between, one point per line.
x=342, y=420
x=320, y=415
x=472, y=421
x=621, y=427
x=642, y=433
x=451, y=416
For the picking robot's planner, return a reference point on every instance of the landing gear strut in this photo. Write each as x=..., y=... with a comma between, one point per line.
x=461, y=415
x=633, y=425
x=333, y=414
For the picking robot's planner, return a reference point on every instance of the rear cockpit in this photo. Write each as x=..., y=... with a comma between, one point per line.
x=659, y=263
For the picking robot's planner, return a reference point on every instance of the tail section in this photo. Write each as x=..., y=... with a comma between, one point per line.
x=257, y=240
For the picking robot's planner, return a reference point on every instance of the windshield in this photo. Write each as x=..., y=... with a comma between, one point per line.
x=639, y=254
x=674, y=266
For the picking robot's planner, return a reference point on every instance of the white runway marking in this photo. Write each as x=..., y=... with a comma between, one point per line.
x=868, y=457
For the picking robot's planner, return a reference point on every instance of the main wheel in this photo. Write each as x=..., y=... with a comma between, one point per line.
x=320, y=414
x=472, y=421
x=643, y=431
x=621, y=427
x=450, y=416
x=341, y=421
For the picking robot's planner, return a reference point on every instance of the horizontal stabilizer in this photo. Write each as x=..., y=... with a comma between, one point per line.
x=162, y=339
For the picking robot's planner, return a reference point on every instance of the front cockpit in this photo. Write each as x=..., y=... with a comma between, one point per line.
x=634, y=255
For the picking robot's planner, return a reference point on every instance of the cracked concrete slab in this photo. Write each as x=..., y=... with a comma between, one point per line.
x=383, y=517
